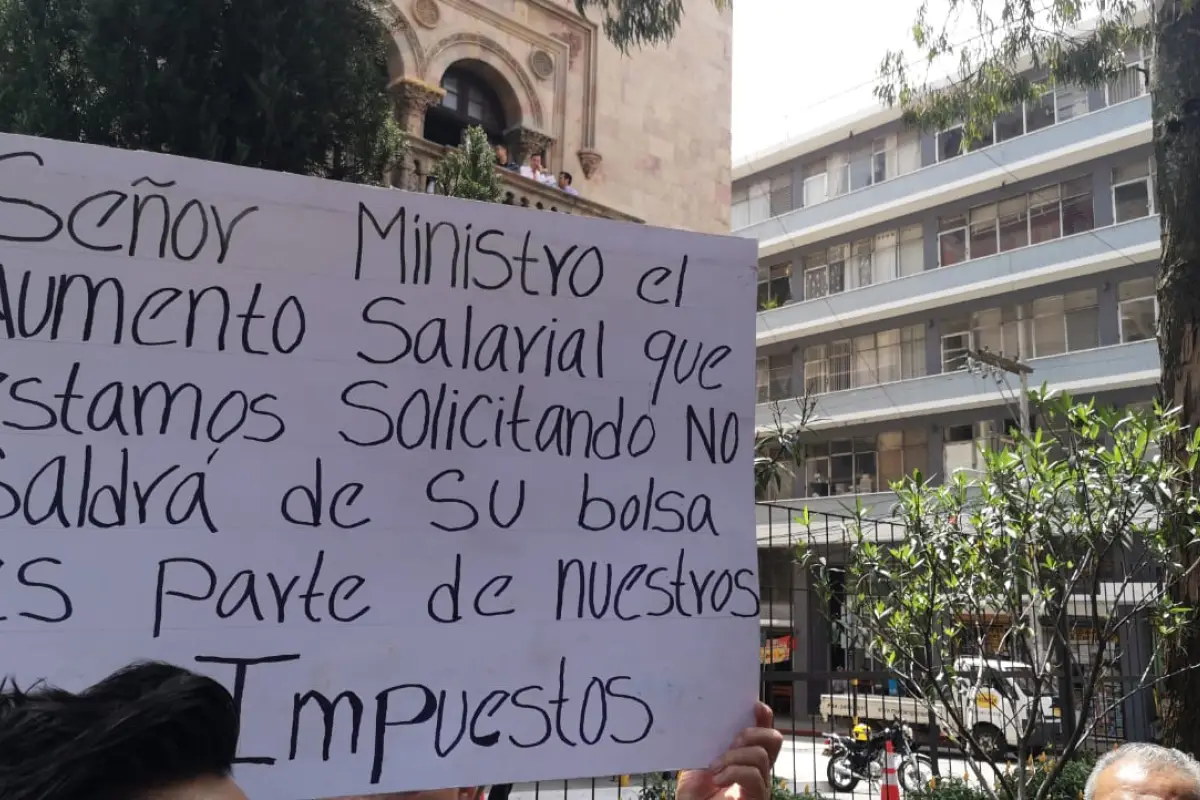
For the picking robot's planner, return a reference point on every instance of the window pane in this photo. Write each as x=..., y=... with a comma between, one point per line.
x=912, y=251
x=865, y=472
x=1071, y=101
x=1137, y=320
x=865, y=358
x=861, y=168
x=1136, y=289
x=983, y=234
x=908, y=152
x=1010, y=124
x=740, y=214
x=862, y=272
x=1045, y=222
x=1039, y=113
x=891, y=467
x=1131, y=201
x=1014, y=223
x=816, y=283
x=781, y=195
x=955, y=351
x=1131, y=172
x=1077, y=214
x=949, y=143
x=814, y=190
x=952, y=247
x=1049, y=335
x=1083, y=329
x=841, y=362
x=837, y=277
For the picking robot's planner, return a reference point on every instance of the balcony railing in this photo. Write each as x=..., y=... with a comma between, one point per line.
x=417, y=175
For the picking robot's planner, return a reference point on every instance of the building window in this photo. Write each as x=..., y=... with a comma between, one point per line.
x=1040, y=113
x=1010, y=124
x=900, y=453
x=952, y=240
x=956, y=350
x=774, y=378
x=1070, y=102
x=815, y=186
x=1065, y=323
x=781, y=194
x=1133, y=191
x=1133, y=82
x=950, y=143
x=964, y=446
x=825, y=272
x=774, y=286
x=869, y=360
x=877, y=259
x=1138, y=306
x=842, y=467
x=468, y=100
x=864, y=465
x=1045, y=214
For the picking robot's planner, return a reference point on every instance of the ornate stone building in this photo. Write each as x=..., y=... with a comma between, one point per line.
x=644, y=136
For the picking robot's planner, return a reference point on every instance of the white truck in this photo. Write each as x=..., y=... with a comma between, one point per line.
x=995, y=699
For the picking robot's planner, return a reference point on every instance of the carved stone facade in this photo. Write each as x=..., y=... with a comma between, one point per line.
x=646, y=134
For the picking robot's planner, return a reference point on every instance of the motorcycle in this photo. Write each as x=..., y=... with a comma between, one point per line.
x=852, y=760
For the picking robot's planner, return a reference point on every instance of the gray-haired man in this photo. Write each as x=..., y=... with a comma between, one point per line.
x=1142, y=771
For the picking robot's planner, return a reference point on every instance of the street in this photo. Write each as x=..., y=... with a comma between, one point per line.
x=800, y=763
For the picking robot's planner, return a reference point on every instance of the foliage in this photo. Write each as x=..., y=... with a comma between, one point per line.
x=639, y=23
x=1070, y=781
x=1068, y=785
x=1028, y=543
x=1014, y=51
x=290, y=85
x=469, y=170
x=779, y=449
x=657, y=787
x=948, y=788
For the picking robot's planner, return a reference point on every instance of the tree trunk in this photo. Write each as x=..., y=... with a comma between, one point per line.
x=1177, y=155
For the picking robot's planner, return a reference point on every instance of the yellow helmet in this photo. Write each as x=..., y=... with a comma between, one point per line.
x=861, y=732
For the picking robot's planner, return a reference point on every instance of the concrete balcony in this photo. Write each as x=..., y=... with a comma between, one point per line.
x=1061, y=146
x=1089, y=253
x=1084, y=372
x=518, y=191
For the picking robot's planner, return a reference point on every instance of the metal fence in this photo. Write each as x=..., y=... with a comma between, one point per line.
x=818, y=677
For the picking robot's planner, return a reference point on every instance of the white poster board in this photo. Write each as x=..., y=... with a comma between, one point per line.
x=461, y=489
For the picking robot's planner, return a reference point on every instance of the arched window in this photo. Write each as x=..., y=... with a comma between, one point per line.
x=468, y=101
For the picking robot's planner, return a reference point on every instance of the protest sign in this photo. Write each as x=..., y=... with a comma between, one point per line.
x=448, y=493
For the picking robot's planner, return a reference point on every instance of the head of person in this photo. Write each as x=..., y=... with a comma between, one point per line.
x=535, y=162
x=1142, y=771
x=501, y=155
x=565, y=179
x=150, y=731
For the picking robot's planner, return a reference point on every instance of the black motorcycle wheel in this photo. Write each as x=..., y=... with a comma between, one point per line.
x=841, y=783
x=915, y=773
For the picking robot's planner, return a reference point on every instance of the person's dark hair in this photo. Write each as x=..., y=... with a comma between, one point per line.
x=570, y=178
x=145, y=727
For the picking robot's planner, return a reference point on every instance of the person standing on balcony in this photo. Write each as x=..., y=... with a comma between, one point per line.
x=504, y=161
x=536, y=172
x=564, y=182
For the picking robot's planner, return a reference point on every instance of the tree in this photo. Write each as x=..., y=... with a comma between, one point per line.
x=639, y=23
x=1075, y=524
x=290, y=85
x=469, y=170
x=994, y=73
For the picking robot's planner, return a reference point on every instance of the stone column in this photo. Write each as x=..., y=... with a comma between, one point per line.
x=525, y=142
x=412, y=98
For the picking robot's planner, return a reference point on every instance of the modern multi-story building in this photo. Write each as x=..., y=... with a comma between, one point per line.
x=543, y=80
x=887, y=254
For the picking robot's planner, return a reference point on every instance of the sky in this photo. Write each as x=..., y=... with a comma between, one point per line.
x=799, y=65
x=802, y=65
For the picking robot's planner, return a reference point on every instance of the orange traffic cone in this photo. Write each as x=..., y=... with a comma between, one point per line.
x=890, y=788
